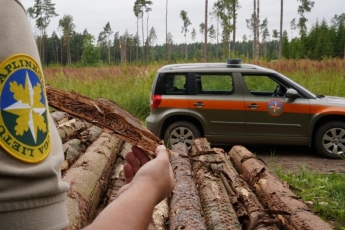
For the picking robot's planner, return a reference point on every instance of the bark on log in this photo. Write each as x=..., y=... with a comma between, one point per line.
x=70, y=128
x=217, y=208
x=117, y=180
x=254, y=216
x=273, y=194
x=88, y=178
x=159, y=216
x=72, y=150
x=125, y=149
x=59, y=117
x=102, y=115
x=185, y=206
x=89, y=135
x=130, y=119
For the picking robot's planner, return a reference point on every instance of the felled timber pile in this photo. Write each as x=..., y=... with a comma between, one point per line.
x=214, y=189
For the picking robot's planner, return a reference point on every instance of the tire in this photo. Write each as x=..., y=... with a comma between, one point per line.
x=330, y=140
x=181, y=131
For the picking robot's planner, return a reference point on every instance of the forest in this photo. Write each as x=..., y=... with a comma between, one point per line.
x=323, y=40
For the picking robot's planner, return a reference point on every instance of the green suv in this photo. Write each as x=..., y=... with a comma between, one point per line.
x=234, y=103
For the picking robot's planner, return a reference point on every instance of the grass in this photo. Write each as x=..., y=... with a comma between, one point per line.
x=325, y=191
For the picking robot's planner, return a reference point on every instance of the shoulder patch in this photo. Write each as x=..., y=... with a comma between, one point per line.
x=24, y=128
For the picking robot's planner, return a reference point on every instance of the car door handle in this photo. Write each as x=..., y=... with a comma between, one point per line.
x=253, y=106
x=198, y=104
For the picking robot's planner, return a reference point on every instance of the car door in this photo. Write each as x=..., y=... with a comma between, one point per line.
x=218, y=103
x=269, y=112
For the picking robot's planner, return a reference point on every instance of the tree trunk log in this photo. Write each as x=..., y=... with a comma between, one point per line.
x=160, y=216
x=68, y=129
x=88, y=178
x=72, y=150
x=272, y=192
x=116, y=181
x=59, y=117
x=91, y=134
x=185, y=206
x=217, y=208
x=254, y=217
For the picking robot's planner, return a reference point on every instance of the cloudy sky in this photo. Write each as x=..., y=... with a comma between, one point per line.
x=94, y=14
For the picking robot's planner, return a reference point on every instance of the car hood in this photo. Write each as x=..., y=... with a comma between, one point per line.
x=333, y=100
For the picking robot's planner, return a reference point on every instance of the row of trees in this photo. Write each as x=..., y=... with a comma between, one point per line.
x=320, y=41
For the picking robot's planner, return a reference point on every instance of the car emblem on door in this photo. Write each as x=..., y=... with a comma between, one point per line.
x=275, y=107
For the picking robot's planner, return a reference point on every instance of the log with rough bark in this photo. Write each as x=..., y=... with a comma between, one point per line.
x=249, y=210
x=101, y=113
x=75, y=147
x=89, y=135
x=72, y=150
x=159, y=216
x=185, y=206
x=130, y=119
x=59, y=117
x=217, y=208
x=71, y=127
x=273, y=194
x=88, y=179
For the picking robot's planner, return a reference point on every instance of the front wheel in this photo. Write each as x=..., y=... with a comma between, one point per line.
x=330, y=139
x=181, y=131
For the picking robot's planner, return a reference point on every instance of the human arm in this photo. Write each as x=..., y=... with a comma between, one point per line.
x=146, y=186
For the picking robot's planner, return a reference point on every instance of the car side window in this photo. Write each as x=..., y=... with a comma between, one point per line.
x=175, y=84
x=214, y=84
x=263, y=85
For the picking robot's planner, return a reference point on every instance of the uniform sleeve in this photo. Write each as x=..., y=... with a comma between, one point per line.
x=32, y=193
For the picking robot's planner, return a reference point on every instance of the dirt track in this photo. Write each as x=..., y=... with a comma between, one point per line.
x=292, y=158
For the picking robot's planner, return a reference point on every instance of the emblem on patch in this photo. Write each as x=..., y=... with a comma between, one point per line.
x=24, y=128
x=275, y=107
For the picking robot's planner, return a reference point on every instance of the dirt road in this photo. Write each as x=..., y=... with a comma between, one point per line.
x=292, y=158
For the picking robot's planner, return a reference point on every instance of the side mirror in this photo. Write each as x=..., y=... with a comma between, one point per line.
x=291, y=93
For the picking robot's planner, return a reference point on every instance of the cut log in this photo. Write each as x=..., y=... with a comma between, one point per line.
x=159, y=216
x=273, y=194
x=185, y=206
x=125, y=149
x=117, y=180
x=59, y=117
x=217, y=208
x=70, y=128
x=88, y=178
x=103, y=115
x=89, y=135
x=248, y=208
x=72, y=150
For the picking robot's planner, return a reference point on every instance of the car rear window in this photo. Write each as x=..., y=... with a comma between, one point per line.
x=175, y=84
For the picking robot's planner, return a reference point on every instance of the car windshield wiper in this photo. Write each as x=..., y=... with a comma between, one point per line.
x=320, y=96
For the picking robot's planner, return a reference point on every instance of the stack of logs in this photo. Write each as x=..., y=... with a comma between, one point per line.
x=214, y=189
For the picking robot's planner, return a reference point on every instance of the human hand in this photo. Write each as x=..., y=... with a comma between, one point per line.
x=156, y=174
